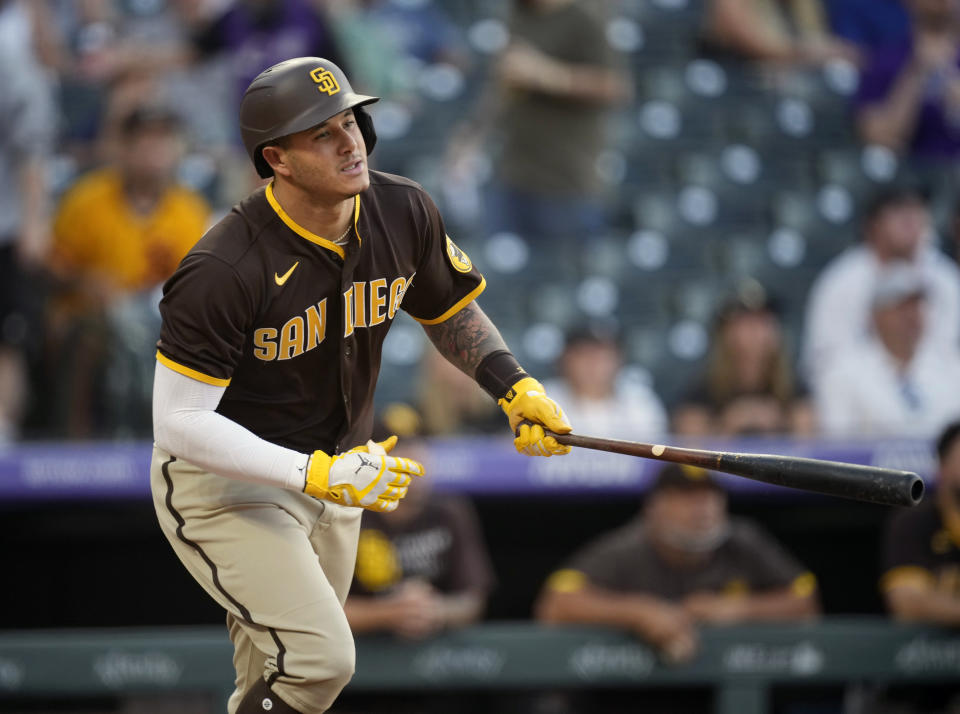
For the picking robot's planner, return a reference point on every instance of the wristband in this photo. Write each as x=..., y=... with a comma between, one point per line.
x=498, y=372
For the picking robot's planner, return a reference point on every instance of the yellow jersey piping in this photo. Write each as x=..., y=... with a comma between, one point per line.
x=462, y=303
x=303, y=232
x=192, y=373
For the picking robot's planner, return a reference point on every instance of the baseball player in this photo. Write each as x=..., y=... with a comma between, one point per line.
x=269, y=350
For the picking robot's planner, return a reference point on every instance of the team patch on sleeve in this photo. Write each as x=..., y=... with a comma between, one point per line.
x=458, y=259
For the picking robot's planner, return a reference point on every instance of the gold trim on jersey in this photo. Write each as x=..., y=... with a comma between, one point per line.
x=303, y=232
x=567, y=580
x=192, y=373
x=804, y=585
x=907, y=575
x=462, y=303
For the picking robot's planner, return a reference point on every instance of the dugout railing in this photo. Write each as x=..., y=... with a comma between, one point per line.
x=741, y=663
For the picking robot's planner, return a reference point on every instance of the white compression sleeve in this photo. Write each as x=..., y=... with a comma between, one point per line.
x=186, y=425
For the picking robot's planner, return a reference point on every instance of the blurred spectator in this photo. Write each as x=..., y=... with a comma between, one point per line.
x=119, y=233
x=909, y=95
x=789, y=32
x=922, y=548
x=387, y=42
x=452, y=403
x=893, y=383
x=422, y=568
x=29, y=127
x=255, y=34
x=684, y=561
x=921, y=559
x=953, y=233
x=595, y=394
x=896, y=227
x=549, y=100
x=869, y=24
x=114, y=56
x=749, y=386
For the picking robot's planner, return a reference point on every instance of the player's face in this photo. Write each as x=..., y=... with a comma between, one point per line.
x=691, y=520
x=328, y=160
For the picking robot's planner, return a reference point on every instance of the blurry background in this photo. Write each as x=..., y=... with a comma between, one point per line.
x=688, y=213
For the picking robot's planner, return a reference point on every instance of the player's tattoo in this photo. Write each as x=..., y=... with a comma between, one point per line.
x=466, y=338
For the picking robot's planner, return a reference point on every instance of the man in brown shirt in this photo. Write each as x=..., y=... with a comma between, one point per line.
x=269, y=351
x=682, y=562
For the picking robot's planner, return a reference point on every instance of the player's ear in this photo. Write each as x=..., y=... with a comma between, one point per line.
x=275, y=155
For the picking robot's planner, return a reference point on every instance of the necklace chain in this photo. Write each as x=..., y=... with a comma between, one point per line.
x=343, y=238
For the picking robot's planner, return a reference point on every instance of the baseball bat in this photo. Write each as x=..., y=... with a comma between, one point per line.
x=889, y=487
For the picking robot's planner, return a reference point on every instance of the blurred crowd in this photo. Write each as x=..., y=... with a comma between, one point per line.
x=120, y=148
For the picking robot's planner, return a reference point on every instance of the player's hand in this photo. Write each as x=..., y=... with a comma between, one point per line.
x=416, y=610
x=529, y=410
x=365, y=476
x=671, y=630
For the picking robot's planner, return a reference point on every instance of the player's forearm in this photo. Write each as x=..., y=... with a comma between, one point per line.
x=928, y=606
x=586, y=83
x=780, y=605
x=460, y=609
x=368, y=614
x=891, y=122
x=466, y=338
x=595, y=606
x=186, y=426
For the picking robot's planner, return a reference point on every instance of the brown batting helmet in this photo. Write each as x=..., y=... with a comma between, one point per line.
x=294, y=95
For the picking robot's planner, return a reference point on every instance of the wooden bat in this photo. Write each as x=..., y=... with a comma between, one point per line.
x=864, y=483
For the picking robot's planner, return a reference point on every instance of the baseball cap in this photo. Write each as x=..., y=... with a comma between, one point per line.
x=896, y=283
x=684, y=477
x=592, y=333
x=150, y=115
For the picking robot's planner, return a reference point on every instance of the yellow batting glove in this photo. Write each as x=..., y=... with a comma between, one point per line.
x=526, y=401
x=365, y=476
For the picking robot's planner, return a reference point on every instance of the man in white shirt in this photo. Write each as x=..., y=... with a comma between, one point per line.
x=897, y=227
x=896, y=382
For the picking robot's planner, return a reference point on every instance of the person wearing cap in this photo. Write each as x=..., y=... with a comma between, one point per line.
x=921, y=568
x=269, y=351
x=118, y=233
x=682, y=561
x=597, y=394
x=895, y=382
x=896, y=227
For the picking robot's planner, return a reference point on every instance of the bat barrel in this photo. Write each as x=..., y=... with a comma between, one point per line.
x=889, y=487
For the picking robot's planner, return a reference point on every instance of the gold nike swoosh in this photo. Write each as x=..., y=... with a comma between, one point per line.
x=282, y=279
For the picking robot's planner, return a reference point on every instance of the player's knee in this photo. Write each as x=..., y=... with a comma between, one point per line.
x=318, y=674
x=342, y=665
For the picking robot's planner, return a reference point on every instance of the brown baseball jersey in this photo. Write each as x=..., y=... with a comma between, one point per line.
x=293, y=324
x=748, y=561
x=922, y=549
x=442, y=545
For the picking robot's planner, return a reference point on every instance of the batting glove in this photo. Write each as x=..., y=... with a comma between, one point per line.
x=364, y=476
x=529, y=409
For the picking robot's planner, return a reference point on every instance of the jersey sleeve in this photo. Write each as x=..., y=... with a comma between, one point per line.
x=600, y=563
x=769, y=565
x=206, y=313
x=446, y=279
x=906, y=559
